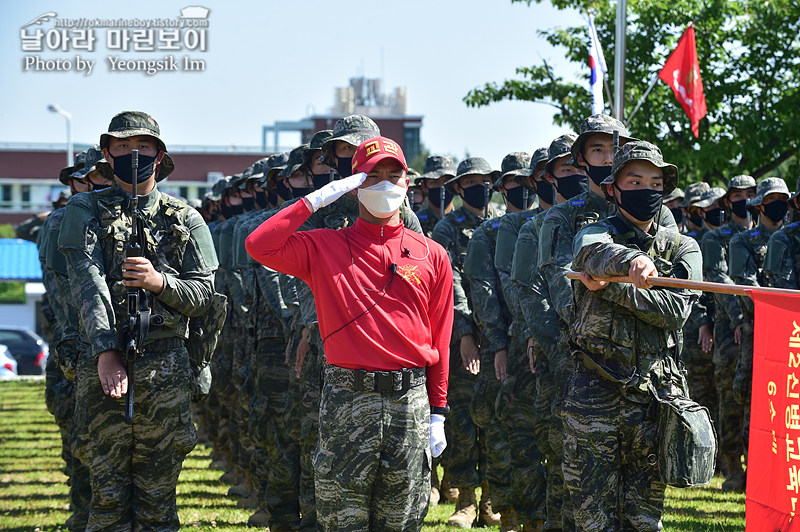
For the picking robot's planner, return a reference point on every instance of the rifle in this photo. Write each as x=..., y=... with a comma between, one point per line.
x=441, y=203
x=138, y=307
x=486, y=197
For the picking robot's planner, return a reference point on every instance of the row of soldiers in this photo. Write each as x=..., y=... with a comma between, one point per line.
x=513, y=310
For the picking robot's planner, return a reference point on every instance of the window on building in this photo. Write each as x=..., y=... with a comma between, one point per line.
x=5, y=196
x=411, y=147
x=26, y=195
x=184, y=192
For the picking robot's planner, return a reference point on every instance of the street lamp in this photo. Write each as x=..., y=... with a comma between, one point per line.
x=54, y=108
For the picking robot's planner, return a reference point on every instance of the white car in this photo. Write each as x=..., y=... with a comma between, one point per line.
x=8, y=366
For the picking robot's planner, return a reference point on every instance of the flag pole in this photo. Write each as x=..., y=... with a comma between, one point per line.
x=689, y=284
x=653, y=82
x=619, y=60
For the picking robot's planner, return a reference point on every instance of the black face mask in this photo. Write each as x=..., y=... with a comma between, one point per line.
x=299, y=192
x=474, y=196
x=435, y=196
x=739, y=208
x=776, y=210
x=97, y=187
x=598, y=173
x=248, y=204
x=696, y=219
x=677, y=213
x=546, y=191
x=123, y=170
x=261, y=199
x=228, y=211
x=516, y=197
x=272, y=198
x=572, y=185
x=344, y=165
x=320, y=180
x=282, y=190
x=642, y=203
x=714, y=217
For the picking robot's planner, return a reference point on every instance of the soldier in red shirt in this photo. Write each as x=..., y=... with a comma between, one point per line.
x=384, y=298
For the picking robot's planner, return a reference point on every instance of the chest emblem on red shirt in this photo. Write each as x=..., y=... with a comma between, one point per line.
x=410, y=273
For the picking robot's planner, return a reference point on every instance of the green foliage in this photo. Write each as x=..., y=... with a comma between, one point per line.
x=747, y=50
x=12, y=292
x=7, y=231
x=34, y=493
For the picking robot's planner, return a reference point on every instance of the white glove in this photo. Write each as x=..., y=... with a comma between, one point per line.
x=438, y=441
x=333, y=191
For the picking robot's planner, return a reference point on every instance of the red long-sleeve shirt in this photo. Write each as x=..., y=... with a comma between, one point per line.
x=349, y=270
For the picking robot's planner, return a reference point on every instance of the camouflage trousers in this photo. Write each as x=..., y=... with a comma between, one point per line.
x=242, y=376
x=60, y=400
x=726, y=355
x=743, y=380
x=270, y=433
x=700, y=370
x=372, y=464
x=547, y=430
x=462, y=434
x=562, y=365
x=304, y=425
x=494, y=434
x=516, y=412
x=610, y=465
x=134, y=468
x=218, y=403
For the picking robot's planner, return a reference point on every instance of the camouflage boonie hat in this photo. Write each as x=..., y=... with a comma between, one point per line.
x=315, y=144
x=797, y=190
x=216, y=189
x=769, y=185
x=473, y=166
x=63, y=196
x=412, y=174
x=276, y=164
x=67, y=172
x=233, y=184
x=599, y=123
x=675, y=194
x=539, y=156
x=437, y=166
x=560, y=147
x=514, y=164
x=354, y=130
x=641, y=150
x=295, y=161
x=132, y=123
x=693, y=193
x=741, y=182
x=93, y=160
x=709, y=197
x=258, y=169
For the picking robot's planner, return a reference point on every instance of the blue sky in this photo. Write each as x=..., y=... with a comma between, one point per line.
x=268, y=61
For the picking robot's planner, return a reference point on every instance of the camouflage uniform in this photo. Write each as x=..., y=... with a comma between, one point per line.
x=699, y=367
x=727, y=316
x=134, y=468
x=746, y=252
x=617, y=332
x=453, y=232
x=528, y=485
x=436, y=166
x=782, y=262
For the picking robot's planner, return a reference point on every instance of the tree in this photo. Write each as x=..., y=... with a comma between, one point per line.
x=748, y=54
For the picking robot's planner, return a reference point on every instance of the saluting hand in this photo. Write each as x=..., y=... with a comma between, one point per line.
x=138, y=272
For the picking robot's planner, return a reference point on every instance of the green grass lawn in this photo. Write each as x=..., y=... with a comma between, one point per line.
x=33, y=492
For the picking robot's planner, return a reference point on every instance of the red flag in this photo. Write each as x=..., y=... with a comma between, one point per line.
x=773, y=490
x=682, y=73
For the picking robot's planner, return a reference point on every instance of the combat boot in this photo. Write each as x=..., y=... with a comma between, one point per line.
x=242, y=487
x=486, y=517
x=466, y=509
x=735, y=478
x=435, y=494
x=509, y=523
x=449, y=493
x=536, y=526
x=259, y=519
x=250, y=501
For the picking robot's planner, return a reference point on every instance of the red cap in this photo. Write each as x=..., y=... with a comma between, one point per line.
x=372, y=151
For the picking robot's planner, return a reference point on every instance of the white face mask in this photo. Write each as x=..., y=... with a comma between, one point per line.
x=382, y=199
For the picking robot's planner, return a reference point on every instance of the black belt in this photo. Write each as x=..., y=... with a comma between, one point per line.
x=360, y=380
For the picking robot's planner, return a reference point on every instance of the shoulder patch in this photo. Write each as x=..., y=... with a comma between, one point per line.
x=725, y=232
x=460, y=219
x=754, y=232
x=422, y=216
x=578, y=203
